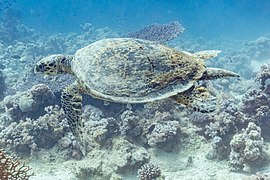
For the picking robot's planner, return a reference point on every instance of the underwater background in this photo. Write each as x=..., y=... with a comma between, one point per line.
x=159, y=140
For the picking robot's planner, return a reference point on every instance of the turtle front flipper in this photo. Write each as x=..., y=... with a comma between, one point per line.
x=198, y=99
x=71, y=101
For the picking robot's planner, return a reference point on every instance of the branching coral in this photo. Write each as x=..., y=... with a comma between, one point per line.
x=149, y=172
x=12, y=169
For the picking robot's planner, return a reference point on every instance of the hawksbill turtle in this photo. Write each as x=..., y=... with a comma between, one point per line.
x=129, y=70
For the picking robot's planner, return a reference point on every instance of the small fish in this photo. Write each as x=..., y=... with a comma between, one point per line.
x=230, y=60
x=16, y=56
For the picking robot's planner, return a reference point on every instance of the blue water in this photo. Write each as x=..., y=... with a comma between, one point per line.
x=242, y=19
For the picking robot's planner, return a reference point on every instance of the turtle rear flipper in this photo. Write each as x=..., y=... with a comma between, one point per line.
x=198, y=99
x=207, y=54
x=217, y=73
x=71, y=100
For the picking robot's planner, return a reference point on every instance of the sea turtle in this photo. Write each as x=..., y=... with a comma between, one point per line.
x=129, y=70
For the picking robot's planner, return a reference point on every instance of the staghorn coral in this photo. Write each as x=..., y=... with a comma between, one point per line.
x=158, y=32
x=149, y=172
x=12, y=169
x=246, y=147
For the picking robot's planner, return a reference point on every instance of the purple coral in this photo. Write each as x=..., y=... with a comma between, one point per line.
x=158, y=32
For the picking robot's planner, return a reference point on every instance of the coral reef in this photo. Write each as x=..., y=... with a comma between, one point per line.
x=256, y=100
x=120, y=157
x=158, y=32
x=12, y=168
x=259, y=49
x=2, y=85
x=159, y=129
x=149, y=172
x=263, y=78
x=129, y=125
x=231, y=116
x=246, y=147
x=164, y=135
x=29, y=103
x=27, y=136
x=119, y=143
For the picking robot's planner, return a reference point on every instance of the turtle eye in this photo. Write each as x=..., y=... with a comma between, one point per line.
x=39, y=68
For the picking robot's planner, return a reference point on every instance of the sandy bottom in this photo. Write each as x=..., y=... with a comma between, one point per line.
x=174, y=166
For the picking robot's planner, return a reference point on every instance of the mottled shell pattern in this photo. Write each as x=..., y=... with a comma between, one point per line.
x=129, y=70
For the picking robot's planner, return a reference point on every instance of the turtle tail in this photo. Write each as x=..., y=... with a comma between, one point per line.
x=217, y=73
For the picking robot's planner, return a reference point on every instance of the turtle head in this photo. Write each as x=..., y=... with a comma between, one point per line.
x=54, y=64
